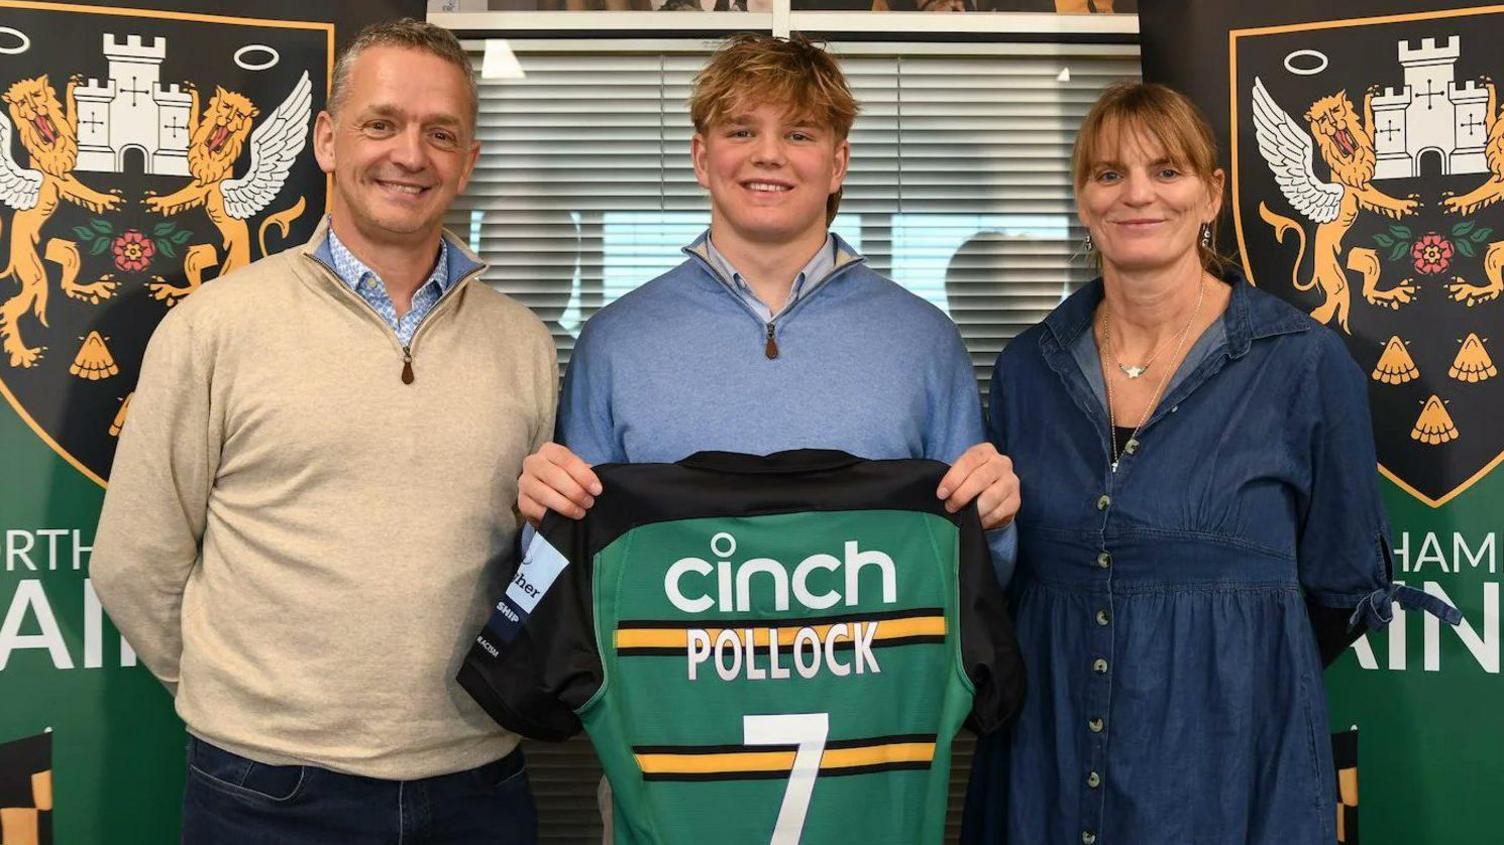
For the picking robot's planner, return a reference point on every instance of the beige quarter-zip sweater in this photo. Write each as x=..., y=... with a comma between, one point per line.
x=302, y=545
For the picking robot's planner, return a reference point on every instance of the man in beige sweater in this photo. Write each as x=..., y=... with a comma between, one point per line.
x=311, y=504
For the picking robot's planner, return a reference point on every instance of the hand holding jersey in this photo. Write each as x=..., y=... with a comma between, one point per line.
x=555, y=479
x=983, y=475
x=721, y=628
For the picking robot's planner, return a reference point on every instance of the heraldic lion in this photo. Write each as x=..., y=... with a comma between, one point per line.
x=217, y=135
x=1486, y=194
x=1347, y=148
x=50, y=139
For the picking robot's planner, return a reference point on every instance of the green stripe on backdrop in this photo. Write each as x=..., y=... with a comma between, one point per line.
x=117, y=759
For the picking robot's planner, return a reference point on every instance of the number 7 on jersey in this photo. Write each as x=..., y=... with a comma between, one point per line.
x=808, y=732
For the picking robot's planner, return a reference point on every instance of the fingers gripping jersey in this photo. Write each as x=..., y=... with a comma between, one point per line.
x=771, y=649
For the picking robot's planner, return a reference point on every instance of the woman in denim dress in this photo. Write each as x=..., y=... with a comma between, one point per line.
x=1200, y=500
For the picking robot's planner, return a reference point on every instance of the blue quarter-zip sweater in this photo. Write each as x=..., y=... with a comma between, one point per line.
x=682, y=365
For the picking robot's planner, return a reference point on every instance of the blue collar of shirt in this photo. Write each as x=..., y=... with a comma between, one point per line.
x=456, y=263
x=1247, y=318
x=353, y=272
x=834, y=255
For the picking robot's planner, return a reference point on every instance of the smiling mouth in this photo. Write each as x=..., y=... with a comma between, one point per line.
x=403, y=188
x=767, y=187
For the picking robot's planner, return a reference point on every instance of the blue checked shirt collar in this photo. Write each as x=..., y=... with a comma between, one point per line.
x=364, y=281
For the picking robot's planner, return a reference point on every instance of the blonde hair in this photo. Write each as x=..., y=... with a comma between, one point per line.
x=794, y=72
x=1170, y=119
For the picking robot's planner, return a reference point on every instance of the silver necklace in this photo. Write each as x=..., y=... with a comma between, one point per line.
x=1134, y=371
x=1164, y=380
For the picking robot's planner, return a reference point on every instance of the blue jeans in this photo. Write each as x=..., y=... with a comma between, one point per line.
x=234, y=801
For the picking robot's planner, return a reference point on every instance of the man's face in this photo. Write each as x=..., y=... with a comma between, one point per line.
x=769, y=174
x=401, y=148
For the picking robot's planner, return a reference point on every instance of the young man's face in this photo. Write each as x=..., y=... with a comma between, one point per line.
x=401, y=148
x=769, y=174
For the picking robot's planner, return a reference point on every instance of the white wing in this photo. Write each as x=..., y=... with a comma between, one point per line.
x=275, y=145
x=19, y=187
x=1288, y=150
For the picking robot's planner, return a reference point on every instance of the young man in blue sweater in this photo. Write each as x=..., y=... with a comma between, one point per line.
x=773, y=334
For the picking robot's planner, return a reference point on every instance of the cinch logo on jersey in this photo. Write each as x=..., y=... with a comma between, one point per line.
x=723, y=544
x=778, y=649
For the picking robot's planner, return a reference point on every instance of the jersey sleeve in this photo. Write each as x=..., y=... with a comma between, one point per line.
x=536, y=661
x=989, y=649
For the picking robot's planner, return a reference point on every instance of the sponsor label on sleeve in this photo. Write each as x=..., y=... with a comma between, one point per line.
x=541, y=565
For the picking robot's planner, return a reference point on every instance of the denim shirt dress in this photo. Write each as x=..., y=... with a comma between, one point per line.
x=1175, y=689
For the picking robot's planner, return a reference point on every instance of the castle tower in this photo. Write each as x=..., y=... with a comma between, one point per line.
x=134, y=68
x=1390, y=112
x=174, y=111
x=1470, y=118
x=94, y=150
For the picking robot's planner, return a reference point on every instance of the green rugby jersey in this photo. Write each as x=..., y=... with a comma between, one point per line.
x=773, y=649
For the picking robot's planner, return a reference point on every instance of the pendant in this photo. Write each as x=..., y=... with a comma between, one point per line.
x=1132, y=372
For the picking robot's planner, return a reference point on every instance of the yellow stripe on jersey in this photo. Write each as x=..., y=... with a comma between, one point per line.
x=731, y=763
x=887, y=629
x=701, y=764
x=877, y=755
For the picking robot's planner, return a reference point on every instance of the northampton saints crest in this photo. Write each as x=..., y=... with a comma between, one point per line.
x=142, y=154
x=1368, y=174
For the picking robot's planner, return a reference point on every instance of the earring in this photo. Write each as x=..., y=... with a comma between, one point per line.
x=1086, y=244
x=1206, y=236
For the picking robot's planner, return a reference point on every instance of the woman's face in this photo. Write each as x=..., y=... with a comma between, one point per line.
x=1144, y=211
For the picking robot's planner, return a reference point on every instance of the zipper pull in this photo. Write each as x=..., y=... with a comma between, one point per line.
x=771, y=350
x=407, y=366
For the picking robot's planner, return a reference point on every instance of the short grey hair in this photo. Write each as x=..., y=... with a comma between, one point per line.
x=413, y=35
